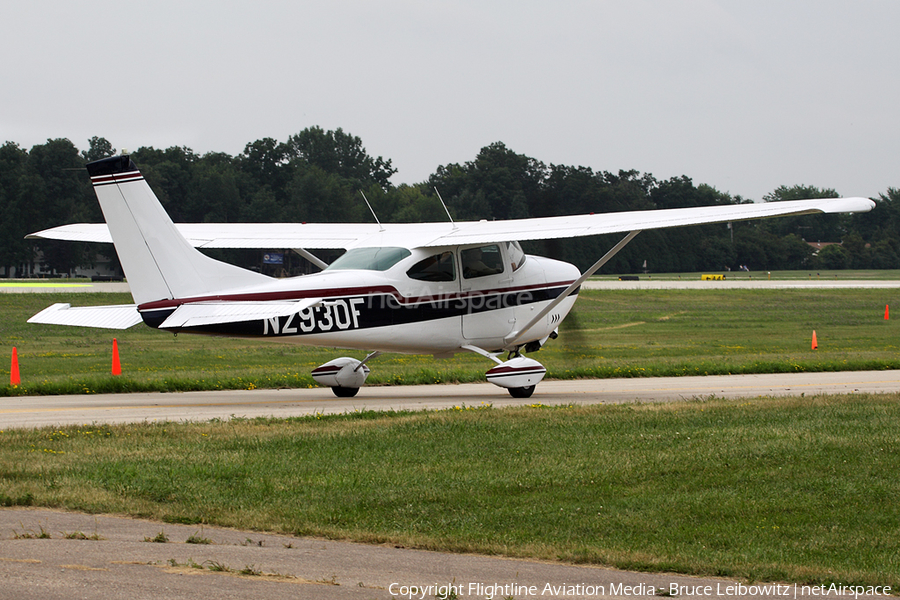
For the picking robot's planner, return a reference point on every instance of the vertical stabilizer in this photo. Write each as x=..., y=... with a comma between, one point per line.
x=158, y=262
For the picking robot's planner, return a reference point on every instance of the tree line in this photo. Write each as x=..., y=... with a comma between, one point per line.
x=317, y=176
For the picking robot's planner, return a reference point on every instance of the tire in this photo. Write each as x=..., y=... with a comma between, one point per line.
x=344, y=392
x=521, y=392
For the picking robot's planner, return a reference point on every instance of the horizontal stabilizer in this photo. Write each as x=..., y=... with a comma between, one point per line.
x=121, y=316
x=196, y=314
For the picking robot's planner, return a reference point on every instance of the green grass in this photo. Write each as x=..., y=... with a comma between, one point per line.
x=801, y=489
x=622, y=333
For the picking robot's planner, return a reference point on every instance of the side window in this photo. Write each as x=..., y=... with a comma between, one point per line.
x=516, y=255
x=480, y=262
x=439, y=267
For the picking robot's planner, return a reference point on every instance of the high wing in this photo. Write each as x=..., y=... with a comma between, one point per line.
x=599, y=223
x=234, y=235
x=350, y=235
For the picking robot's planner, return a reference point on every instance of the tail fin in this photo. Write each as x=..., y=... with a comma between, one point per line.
x=158, y=262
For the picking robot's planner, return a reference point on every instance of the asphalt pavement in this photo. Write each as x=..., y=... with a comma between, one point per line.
x=55, y=555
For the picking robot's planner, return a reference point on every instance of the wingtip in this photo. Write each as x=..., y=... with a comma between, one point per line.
x=851, y=205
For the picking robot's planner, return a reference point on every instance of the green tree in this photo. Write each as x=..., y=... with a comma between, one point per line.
x=812, y=228
x=98, y=148
x=214, y=192
x=410, y=204
x=339, y=153
x=884, y=255
x=57, y=192
x=498, y=184
x=317, y=196
x=264, y=162
x=317, y=175
x=832, y=257
x=883, y=222
x=794, y=253
x=14, y=250
x=169, y=173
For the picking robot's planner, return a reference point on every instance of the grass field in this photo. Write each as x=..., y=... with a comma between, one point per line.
x=609, y=334
x=800, y=490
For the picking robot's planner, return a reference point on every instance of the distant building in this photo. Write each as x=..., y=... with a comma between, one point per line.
x=817, y=246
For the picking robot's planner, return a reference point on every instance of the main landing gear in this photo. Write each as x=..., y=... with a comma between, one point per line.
x=343, y=375
x=519, y=374
x=344, y=392
x=522, y=392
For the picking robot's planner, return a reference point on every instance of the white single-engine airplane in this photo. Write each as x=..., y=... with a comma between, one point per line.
x=429, y=288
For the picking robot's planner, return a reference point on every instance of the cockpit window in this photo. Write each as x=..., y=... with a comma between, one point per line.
x=439, y=267
x=369, y=259
x=481, y=261
x=516, y=255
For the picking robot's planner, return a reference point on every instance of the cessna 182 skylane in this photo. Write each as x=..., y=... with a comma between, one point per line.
x=430, y=288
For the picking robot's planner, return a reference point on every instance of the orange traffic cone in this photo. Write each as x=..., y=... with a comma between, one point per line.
x=815, y=344
x=14, y=369
x=887, y=314
x=116, y=367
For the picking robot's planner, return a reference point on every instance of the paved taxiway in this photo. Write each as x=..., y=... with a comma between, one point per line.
x=121, y=564
x=739, y=284
x=60, y=286
x=37, y=411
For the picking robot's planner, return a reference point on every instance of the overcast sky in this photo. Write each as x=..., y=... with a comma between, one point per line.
x=744, y=95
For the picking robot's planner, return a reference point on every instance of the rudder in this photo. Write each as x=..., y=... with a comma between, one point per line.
x=158, y=262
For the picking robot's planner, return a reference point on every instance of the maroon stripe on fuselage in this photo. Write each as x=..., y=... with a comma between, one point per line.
x=342, y=292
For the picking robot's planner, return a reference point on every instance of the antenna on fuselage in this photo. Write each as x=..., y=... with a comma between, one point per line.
x=380, y=226
x=446, y=210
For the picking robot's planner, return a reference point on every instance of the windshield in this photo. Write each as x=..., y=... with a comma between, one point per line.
x=369, y=259
x=516, y=255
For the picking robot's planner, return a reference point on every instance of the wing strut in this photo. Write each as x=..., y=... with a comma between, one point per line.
x=366, y=359
x=311, y=257
x=515, y=336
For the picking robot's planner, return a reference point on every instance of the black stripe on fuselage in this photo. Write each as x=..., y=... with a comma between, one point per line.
x=365, y=312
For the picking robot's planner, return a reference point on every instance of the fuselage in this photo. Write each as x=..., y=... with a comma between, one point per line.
x=420, y=300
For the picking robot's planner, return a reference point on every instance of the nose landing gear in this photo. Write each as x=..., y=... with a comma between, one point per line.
x=519, y=375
